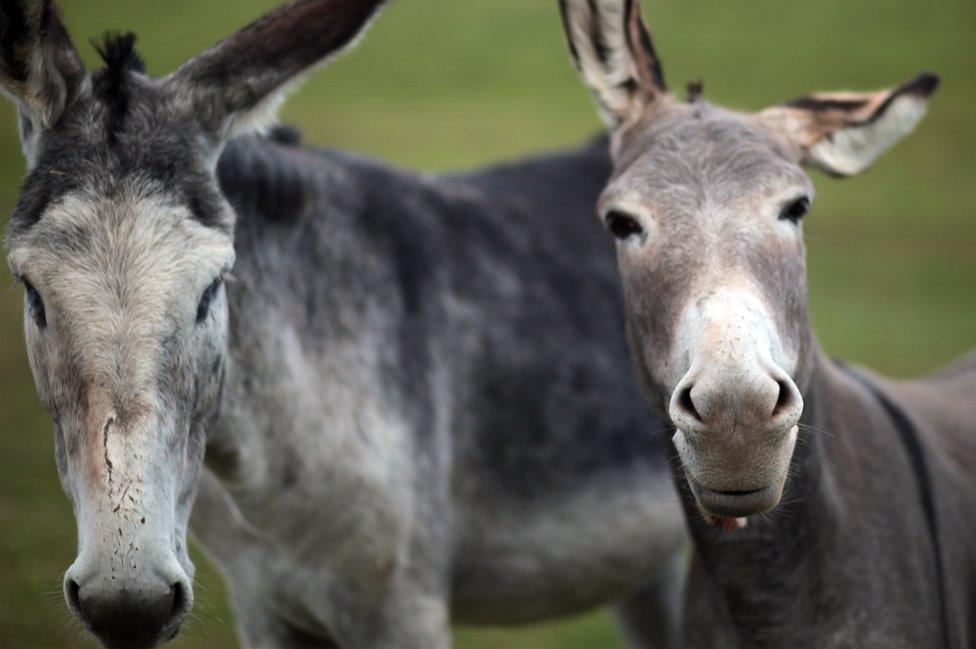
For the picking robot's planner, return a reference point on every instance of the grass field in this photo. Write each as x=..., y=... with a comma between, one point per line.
x=441, y=85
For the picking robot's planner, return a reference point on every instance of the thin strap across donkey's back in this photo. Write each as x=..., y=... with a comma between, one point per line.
x=913, y=445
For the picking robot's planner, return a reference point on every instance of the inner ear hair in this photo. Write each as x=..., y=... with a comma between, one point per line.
x=854, y=109
x=40, y=68
x=612, y=49
x=844, y=133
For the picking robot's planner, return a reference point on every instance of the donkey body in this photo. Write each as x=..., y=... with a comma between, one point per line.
x=403, y=430
x=828, y=508
x=394, y=413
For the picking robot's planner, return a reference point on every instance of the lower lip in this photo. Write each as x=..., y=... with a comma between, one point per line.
x=735, y=505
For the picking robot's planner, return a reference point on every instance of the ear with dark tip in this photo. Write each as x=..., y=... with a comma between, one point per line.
x=238, y=85
x=612, y=49
x=843, y=134
x=39, y=66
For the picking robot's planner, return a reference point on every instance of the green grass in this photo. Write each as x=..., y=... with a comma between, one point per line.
x=442, y=85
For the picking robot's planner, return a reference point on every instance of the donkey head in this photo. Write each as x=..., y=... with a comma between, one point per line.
x=121, y=238
x=706, y=205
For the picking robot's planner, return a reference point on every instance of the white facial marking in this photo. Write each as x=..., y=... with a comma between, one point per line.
x=732, y=326
x=735, y=408
x=117, y=365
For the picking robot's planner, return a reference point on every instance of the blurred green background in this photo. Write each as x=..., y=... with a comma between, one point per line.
x=455, y=84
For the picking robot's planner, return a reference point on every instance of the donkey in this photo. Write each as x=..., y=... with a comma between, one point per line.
x=383, y=396
x=706, y=205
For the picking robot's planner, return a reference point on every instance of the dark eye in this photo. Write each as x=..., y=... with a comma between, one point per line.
x=795, y=210
x=623, y=226
x=203, y=310
x=35, y=304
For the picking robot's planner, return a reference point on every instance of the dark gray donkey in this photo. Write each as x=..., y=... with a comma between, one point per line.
x=410, y=404
x=869, y=542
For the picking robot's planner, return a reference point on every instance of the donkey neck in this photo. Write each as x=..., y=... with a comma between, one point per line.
x=801, y=567
x=740, y=572
x=308, y=309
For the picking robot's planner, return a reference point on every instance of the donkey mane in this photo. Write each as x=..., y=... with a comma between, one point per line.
x=111, y=83
x=259, y=171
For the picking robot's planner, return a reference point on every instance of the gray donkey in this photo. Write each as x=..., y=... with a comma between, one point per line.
x=391, y=401
x=869, y=542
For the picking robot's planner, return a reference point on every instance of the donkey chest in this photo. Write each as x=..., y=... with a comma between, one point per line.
x=866, y=595
x=322, y=474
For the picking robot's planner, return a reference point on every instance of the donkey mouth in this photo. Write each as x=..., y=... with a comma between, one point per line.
x=734, y=504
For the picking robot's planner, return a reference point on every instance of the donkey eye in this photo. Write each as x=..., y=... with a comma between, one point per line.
x=203, y=310
x=795, y=210
x=623, y=226
x=35, y=304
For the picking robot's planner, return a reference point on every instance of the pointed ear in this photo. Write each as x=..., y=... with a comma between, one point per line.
x=613, y=52
x=39, y=66
x=844, y=133
x=237, y=86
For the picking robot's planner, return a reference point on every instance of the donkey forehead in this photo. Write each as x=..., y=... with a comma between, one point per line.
x=138, y=244
x=693, y=155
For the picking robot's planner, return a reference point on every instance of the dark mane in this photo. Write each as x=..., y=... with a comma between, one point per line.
x=111, y=82
x=260, y=177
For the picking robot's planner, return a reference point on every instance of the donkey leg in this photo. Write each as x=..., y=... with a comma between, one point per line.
x=220, y=529
x=650, y=617
x=409, y=619
x=259, y=629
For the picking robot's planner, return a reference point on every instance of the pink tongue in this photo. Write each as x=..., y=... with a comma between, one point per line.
x=728, y=524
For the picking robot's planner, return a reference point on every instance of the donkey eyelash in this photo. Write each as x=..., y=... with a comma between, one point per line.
x=35, y=302
x=206, y=300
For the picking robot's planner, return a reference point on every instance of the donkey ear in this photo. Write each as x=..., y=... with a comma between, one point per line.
x=237, y=86
x=39, y=66
x=613, y=52
x=844, y=133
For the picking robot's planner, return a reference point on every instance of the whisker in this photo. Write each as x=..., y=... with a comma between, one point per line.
x=666, y=429
x=814, y=429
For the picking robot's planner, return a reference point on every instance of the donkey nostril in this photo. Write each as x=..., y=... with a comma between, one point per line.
x=784, y=400
x=179, y=599
x=71, y=591
x=688, y=404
